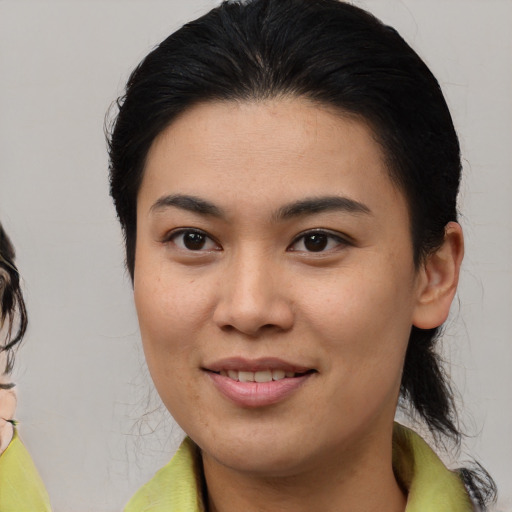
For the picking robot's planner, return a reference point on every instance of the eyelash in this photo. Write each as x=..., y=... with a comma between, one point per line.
x=323, y=238
x=174, y=235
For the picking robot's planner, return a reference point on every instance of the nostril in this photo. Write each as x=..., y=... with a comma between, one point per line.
x=253, y=314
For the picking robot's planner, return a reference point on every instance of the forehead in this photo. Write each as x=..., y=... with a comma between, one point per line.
x=253, y=150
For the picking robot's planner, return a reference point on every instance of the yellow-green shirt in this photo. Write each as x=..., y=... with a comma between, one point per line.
x=21, y=487
x=431, y=487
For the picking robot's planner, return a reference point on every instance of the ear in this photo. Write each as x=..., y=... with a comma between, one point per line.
x=438, y=279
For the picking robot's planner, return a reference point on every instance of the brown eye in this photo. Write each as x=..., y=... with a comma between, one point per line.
x=193, y=240
x=318, y=241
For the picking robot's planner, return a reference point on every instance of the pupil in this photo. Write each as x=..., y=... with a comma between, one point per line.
x=315, y=243
x=194, y=241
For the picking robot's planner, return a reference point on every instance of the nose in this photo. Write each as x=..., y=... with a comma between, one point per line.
x=253, y=298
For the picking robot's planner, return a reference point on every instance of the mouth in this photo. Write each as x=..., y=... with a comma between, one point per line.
x=257, y=383
x=261, y=375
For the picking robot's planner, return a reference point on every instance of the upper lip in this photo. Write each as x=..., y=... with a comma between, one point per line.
x=255, y=365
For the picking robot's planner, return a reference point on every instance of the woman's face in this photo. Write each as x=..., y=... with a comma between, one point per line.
x=274, y=283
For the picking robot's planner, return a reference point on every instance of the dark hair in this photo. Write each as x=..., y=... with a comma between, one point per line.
x=13, y=313
x=335, y=54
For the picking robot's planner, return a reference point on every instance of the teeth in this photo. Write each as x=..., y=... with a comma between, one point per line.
x=260, y=376
x=246, y=376
x=278, y=374
x=264, y=376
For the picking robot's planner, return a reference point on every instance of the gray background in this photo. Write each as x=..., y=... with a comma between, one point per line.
x=86, y=401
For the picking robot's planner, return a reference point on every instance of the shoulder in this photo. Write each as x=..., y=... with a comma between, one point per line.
x=430, y=485
x=21, y=487
x=177, y=487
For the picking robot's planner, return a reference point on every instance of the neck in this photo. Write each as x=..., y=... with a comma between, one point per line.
x=355, y=481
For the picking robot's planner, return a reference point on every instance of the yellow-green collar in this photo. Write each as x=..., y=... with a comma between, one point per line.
x=431, y=487
x=175, y=488
x=21, y=487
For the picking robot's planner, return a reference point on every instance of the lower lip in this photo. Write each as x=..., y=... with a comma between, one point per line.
x=257, y=394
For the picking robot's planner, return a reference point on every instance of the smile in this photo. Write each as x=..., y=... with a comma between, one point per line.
x=260, y=376
x=252, y=384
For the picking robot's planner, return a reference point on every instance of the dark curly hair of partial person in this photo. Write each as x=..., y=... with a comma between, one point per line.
x=13, y=313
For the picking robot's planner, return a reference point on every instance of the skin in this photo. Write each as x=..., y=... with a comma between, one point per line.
x=255, y=289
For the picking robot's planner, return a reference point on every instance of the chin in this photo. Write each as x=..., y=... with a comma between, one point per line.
x=262, y=462
x=259, y=451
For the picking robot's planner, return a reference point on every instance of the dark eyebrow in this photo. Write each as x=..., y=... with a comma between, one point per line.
x=321, y=204
x=306, y=206
x=189, y=203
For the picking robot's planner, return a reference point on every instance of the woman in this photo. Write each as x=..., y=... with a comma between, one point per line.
x=286, y=174
x=21, y=488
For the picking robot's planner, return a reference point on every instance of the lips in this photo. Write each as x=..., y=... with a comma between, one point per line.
x=260, y=376
x=240, y=364
x=257, y=383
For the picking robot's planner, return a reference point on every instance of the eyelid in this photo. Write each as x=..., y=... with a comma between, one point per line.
x=342, y=239
x=174, y=233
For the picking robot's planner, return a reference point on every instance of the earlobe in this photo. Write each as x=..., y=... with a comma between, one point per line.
x=438, y=280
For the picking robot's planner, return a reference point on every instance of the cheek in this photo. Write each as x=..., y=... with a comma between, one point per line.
x=168, y=325
x=365, y=330
x=173, y=308
x=361, y=300
x=169, y=304
x=365, y=319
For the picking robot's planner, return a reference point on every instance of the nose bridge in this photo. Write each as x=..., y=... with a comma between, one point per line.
x=251, y=296
x=253, y=279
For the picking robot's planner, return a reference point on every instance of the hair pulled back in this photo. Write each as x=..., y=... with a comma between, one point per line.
x=342, y=57
x=13, y=314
